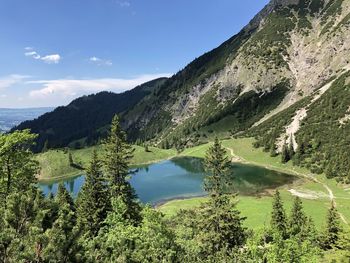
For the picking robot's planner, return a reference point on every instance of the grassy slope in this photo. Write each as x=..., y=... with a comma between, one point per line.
x=257, y=210
x=55, y=165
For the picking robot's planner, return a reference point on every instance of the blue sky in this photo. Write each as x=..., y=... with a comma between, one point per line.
x=53, y=51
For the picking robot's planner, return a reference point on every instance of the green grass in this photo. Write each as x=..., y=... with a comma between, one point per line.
x=55, y=165
x=257, y=209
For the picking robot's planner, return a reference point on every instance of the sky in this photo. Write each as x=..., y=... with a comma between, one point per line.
x=53, y=51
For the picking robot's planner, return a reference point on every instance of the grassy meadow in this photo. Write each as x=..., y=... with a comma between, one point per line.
x=55, y=165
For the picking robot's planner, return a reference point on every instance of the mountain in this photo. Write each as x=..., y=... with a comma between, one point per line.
x=82, y=122
x=284, y=79
x=9, y=118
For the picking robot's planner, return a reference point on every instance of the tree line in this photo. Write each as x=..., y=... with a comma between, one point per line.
x=106, y=222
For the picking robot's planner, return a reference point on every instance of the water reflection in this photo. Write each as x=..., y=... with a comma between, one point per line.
x=183, y=177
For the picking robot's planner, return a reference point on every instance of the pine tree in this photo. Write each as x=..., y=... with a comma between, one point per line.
x=278, y=217
x=217, y=164
x=63, y=197
x=285, y=154
x=333, y=228
x=117, y=156
x=298, y=219
x=219, y=223
x=93, y=201
x=63, y=245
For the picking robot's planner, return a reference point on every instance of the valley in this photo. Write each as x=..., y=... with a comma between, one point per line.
x=316, y=191
x=240, y=156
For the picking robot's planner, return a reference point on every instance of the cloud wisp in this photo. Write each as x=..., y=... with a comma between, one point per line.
x=8, y=81
x=68, y=88
x=49, y=59
x=100, y=62
x=123, y=3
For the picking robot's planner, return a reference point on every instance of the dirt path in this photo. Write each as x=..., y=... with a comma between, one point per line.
x=331, y=196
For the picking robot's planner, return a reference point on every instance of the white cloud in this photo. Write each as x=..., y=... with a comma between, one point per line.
x=8, y=81
x=32, y=54
x=123, y=3
x=100, y=61
x=68, y=88
x=49, y=59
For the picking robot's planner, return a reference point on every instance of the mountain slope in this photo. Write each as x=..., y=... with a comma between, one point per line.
x=85, y=117
x=282, y=79
x=291, y=45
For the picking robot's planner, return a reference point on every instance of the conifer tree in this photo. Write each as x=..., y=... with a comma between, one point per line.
x=93, y=201
x=298, y=219
x=219, y=224
x=117, y=156
x=278, y=217
x=285, y=154
x=333, y=228
x=63, y=197
x=217, y=164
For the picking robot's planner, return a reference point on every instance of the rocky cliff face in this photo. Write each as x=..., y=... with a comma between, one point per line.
x=300, y=42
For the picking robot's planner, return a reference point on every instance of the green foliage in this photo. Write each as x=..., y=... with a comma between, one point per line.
x=85, y=117
x=122, y=241
x=116, y=160
x=17, y=165
x=324, y=140
x=93, y=199
x=298, y=220
x=333, y=229
x=278, y=216
x=217, y=165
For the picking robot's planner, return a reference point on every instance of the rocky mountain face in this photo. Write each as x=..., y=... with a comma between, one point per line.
x=291, y=45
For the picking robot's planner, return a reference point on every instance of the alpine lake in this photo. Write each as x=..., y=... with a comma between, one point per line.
x=181, y=178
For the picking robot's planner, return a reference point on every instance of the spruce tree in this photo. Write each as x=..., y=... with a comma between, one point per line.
x=116, y=160
x=333, y=228
x=278, y=217
x=298, y=219
x=285, y=154
x=93, y=201
x=219, y=223
x=217, y=165
x=63, y=197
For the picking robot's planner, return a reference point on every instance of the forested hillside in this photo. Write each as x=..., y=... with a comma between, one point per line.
x=106, y=223
x=84, y=120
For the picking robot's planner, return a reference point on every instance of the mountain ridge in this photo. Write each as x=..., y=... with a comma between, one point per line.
x=266, y=74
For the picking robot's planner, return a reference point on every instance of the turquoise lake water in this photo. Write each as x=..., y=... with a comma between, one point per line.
x=183, y=178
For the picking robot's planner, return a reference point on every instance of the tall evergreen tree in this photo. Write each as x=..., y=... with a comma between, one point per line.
x=298, y=219
x=217, y=164
x=93, y=201
x=278, y=217
x=117, y=156
x=285, y=153
x=219, y=224
x=333, y=228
